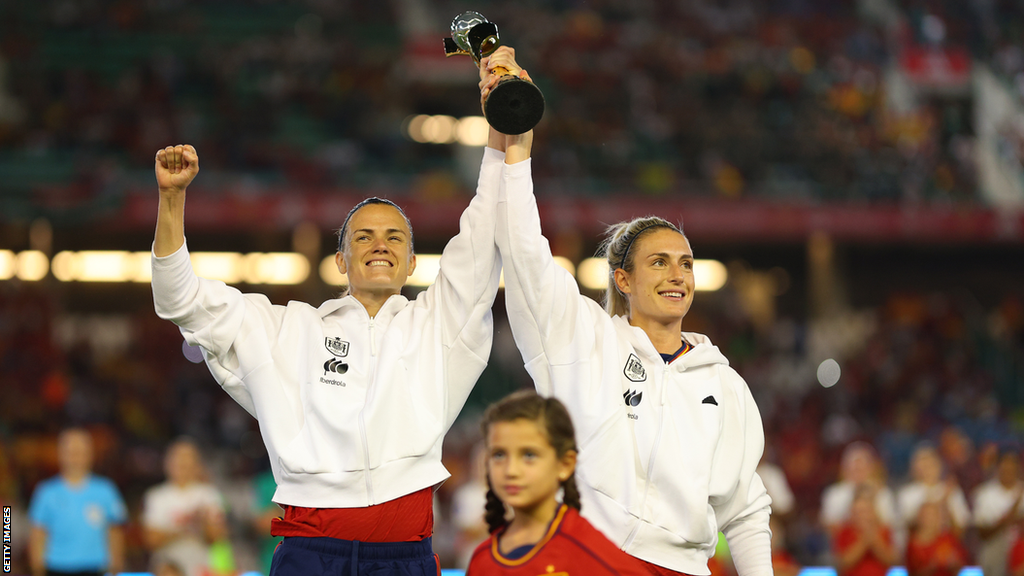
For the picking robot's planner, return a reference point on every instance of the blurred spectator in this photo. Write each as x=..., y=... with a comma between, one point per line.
x=183, y=516
x=928, y=485
x=76, y=516
x=934, y=548
x=783, y=563
x=467, y=511
x=859, y=468
x=775, y=483
x=1016, y=560
x=863, y=545
x=264, y=487
x=997, y=513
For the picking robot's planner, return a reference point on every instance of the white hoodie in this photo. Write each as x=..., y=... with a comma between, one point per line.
x=353, y=409
x=667, y=452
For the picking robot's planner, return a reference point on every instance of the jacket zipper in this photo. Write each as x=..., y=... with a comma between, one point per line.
x=362, y=421
x=650, y=462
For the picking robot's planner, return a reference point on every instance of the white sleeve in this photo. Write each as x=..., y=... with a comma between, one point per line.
x=885, y=505
x=750, y=544
x=211, y=314
x=778, y=488
x=835, y=504
x=461, y=297
x=154, y=512
x=986, y=512
x=958, y=508
x=543, y=300
x=744, y=516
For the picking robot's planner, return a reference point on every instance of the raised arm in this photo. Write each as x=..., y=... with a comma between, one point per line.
x=543, y=299
x=176, y=167
x=208, y=312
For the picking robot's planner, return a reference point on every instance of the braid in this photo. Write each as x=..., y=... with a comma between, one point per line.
x=494, y=510
x=571, y=494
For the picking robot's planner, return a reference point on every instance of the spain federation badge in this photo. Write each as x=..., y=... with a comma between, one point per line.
x=634, y=369
x=336, y=346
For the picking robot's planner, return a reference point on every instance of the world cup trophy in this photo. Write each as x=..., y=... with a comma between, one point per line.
x=514, y=105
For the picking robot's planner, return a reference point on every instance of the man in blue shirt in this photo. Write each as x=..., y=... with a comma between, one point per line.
x=76, y=516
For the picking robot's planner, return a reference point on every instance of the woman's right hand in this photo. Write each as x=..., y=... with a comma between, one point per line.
x=516, y=147
x=176, y=167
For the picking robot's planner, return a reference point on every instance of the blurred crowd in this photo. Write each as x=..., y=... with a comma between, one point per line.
x=913, y=456
x=924, y=425
x=784, y=99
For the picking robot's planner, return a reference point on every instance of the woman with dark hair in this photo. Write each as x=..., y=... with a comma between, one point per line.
x=353, y=397
x=531, y=456
x=669, y=435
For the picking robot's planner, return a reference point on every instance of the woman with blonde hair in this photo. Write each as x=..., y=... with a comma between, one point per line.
x=669, y=435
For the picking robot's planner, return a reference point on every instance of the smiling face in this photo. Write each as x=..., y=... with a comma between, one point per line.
x=524, y=469
x=377, y=253
x=660, y=286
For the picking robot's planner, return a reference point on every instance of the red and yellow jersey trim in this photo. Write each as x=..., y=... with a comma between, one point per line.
x=683, y=350
x=536, y=547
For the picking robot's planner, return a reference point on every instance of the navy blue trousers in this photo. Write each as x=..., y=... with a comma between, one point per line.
x=299, y=556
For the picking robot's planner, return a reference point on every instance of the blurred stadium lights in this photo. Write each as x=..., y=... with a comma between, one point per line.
x=121, y=266
x=330, y=274
x=427, y=267
x=276, y=268
x=468, y=131
x=8, y=264
x=562, y=261
x=101, y=266
x=30, y=265
x=280, y=268
x=709, y=275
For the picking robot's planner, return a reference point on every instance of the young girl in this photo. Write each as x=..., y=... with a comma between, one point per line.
x=863, y=545
x=934, y=548
x=531, y=456
x=670, y=436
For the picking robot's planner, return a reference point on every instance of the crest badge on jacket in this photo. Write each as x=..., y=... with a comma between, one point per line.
x=634, y=369
x=336, y=346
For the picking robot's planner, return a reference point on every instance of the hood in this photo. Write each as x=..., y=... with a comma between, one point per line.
x=703, y=353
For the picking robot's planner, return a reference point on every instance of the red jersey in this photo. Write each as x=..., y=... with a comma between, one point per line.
x=406, y=519
x=1016, y=560
x=868, y=565
x=571, y=547
x=945, y=554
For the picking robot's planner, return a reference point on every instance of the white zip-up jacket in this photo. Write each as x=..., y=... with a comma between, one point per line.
x=667, y=452
x=352, y=409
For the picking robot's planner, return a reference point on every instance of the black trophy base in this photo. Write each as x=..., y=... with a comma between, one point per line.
x=514, y=106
